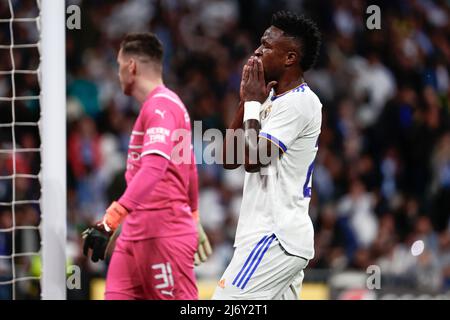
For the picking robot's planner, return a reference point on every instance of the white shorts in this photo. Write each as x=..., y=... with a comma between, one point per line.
x=262, y=271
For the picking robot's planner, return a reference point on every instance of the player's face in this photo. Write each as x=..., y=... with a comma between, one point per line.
x=125, y=76
x=272, y=52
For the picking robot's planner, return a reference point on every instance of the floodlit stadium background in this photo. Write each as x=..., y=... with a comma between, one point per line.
x=382, y=174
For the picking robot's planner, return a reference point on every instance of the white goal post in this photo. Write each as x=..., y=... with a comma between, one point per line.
x=53, y=137
x=48, y=37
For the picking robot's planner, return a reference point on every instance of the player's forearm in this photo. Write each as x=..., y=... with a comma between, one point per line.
x=151, y=172
x=233, y=135
x=258, y=152
x=251, y=134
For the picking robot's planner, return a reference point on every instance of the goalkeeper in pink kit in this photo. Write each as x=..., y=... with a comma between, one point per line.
x=161, y=236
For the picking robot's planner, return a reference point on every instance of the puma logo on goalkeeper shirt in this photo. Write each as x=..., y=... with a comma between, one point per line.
x=167, y=293
x=161, y=113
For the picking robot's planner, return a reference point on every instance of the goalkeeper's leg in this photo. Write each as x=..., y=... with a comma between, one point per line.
x=166, y=267
x=122, y=280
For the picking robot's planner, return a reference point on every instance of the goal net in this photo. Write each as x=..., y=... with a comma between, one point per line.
x=32, y=149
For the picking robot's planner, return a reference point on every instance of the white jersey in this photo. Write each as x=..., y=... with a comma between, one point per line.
x=276, y=199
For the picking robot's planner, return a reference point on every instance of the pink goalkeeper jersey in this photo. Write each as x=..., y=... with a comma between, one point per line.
x=162, y=126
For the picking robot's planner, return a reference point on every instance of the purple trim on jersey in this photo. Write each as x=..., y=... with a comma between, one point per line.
x=270, y=239
x=253, y=261
x=307, y=192
x=296, y=89
x=248, y=260
x=280, y=144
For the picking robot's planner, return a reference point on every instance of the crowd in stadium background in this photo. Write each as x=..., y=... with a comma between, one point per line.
x=382, y=174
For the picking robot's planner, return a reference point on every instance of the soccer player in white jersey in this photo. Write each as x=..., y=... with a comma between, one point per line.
x=279, y=120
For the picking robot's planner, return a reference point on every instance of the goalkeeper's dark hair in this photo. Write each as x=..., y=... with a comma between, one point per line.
x=145, y=45
x=302, y=29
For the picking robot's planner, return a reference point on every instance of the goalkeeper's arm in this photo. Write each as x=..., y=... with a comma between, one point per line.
x=97, y=237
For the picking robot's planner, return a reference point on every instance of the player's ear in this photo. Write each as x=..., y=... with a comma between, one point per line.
x=291, y=58
x=132, y=66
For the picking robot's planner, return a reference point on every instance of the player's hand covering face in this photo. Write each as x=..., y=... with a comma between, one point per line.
x=253, y=85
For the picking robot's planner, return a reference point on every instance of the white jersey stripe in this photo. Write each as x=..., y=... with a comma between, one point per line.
x=154, y=151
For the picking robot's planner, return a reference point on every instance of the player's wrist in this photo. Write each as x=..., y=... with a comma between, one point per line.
x=196, y=216
x=251, y=110
x=114, y=216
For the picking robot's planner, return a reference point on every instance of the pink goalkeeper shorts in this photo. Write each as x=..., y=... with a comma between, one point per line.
x=153, y=269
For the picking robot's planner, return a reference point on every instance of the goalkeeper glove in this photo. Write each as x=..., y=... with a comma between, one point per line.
x=97, y=237
x=204, y=247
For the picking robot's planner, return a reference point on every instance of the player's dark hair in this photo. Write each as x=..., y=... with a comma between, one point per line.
x=144, y=44
x=302, y=29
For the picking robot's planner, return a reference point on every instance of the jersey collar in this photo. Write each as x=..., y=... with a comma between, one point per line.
x=296, y=89
x=155, y=90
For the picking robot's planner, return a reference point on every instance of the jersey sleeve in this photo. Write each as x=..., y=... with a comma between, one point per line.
x=139, y=190
x=159, y=122
x=285, y=124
